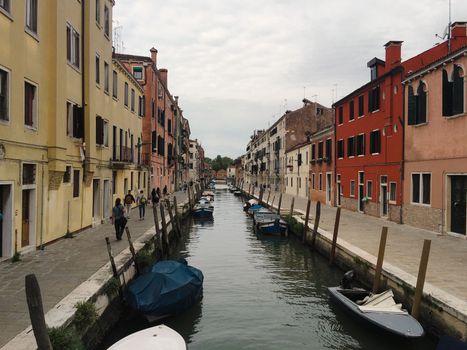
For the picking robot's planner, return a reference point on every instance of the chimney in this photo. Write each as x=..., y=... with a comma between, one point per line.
x=393, y=54
x=458, y=29
x=154, y=55
x=163, y=76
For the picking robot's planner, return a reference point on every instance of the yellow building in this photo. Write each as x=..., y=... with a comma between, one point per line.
x=58, y=172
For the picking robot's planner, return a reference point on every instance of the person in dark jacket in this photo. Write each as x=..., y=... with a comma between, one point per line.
x=118, y=218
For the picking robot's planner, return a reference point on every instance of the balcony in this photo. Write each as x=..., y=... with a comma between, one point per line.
x=124, y=157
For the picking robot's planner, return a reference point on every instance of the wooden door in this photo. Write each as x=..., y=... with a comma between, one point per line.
x=384, y=200
x=458, y=204
x=25, y=219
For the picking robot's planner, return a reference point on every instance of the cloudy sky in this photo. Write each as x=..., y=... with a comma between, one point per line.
x=237, y=65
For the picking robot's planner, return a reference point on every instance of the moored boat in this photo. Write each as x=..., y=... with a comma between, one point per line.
x=237, y=192
x=209, y=195
x=254, y=208
x=378, y=310
x=268, y=223
x=167, y=288
x=158, y=337
x=249, y=204
x=203, y=208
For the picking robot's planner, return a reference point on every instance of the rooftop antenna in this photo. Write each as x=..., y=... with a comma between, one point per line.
x=117, y=37
x=447, y=31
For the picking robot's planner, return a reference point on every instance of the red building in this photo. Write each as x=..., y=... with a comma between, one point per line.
x=369, y=140
x=158, y=141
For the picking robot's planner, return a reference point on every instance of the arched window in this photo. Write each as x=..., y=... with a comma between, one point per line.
x=453, y=92
x=417, y=104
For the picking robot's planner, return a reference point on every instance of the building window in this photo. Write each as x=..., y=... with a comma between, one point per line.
x=5, y=5
x=453, y=92
x=369, y=189
x=99, y=131
x=320, y=150
x=72, y=46
x=373, y=73
x=361, y=145
x=421, y=188
x=114, y=84
x=375, y=142
x=328, y=150
x=392, y=192
x=98, y=73
x=67, y=175
x=29, y=174
x=352, y=188
x=141, y=105
x=291, y=182
x=313, y=151
x=98, y=11
x=31, y=15
x=30, y=105
x=340, y=149
x=313, y=180
x=4, y=95
x=341, y=115
x=138, y=72
x=351, y=110
x=132, y=100
x=417, y=105
x=169, y=126
x=75, y=120
x=320, y=183
x=106, y=77
x=351, y=146
x=106, y=21
x=76, y=180
x=125, y=95
x=373, y=99
x=361, y=109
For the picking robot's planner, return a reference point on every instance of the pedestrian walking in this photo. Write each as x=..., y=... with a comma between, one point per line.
x=141, y=202
x=129, y=200
x=118, y=218
x=153, y=197
x=164, y=191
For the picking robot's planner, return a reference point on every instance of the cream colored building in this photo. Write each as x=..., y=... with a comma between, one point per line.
x=57, y=174
x=297, y=180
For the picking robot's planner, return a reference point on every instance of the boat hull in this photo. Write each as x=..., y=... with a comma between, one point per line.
x=203, y=213
x=400, y=325
x=276, y=228
x=158, y=337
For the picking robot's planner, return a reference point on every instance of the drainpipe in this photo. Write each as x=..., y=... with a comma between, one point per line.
x=336, y=190
x=83, y=90
x=402, y=166
x=42, y=210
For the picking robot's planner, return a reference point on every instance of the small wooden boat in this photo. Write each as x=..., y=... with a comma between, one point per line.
x=203, y=209
x=249, y=204
x=167, y=288
x=377, y=310
x=158, y=337
x=268, y=223
x=209, y=195
x=237, y=193
x=254, y=208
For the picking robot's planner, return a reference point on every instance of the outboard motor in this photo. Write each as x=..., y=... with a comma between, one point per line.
x=349, y=277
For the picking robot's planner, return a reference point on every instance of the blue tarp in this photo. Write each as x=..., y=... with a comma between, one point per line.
x=167, y=288
x=254, y=208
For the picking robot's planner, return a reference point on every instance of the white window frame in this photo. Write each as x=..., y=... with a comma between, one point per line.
x=125, y=94
x=27, y=21
x=106, y=77
x=98, y=69
x=352, y=188
x=69, y=118
x=114, y=84
x=142, y=72
x=364, y=145
x=6, y=120
x=6, y=9
x=73, y=34
x=98, y=13
x=421, y=188
x=368, y=183
x=395, y=192
x=35, y=112
x=105, y=131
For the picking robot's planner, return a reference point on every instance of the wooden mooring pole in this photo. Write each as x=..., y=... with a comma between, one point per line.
x=249, y=188
x=171, y=216
x=421, y=278
x=292, y=206
x=132, y=249
x=316, y=225
x=334, y=236
x=177, y=217
x=36, y=313
x=114, y=267
x=261, y=192
x=279, y=205
x=253, y=193
x=307, y=217
x=379, y=263
x=269, y=195
x=165, y=236
x=158, y=231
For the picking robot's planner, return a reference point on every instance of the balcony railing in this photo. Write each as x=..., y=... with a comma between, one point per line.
x=127, y=156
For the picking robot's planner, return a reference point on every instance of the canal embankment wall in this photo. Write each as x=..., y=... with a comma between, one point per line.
x=99, y=289
x=440, y=312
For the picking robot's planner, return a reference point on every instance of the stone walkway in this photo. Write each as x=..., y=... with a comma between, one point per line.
x=448, y=256
x=60, y=268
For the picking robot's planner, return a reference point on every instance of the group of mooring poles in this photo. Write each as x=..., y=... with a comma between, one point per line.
x=382, y=246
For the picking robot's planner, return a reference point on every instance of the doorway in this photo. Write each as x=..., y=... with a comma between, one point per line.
x=6, y=222
x=95, y=199
x=28, y=217
x=458, y=204
x=107, y=206
x=361, y=190
x=328, y=188
x=384, y=196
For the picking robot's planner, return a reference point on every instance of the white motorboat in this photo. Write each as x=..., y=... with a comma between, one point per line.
x=158, y=337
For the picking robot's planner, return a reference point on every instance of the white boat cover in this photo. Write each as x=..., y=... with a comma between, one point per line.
x=208, y=193
x=158, y=337
x=383, y=302
x=253, y=201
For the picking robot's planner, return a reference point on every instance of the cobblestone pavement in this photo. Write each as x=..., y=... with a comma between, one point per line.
x=60, y=268
x=448, y=255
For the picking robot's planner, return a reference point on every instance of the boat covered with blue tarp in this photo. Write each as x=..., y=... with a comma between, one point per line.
x=167, y=288
x=254, y=208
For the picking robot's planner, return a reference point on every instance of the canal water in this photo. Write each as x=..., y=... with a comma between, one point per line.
x=261, y=293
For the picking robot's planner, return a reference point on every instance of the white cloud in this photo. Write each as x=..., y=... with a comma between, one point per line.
x=233, y=63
